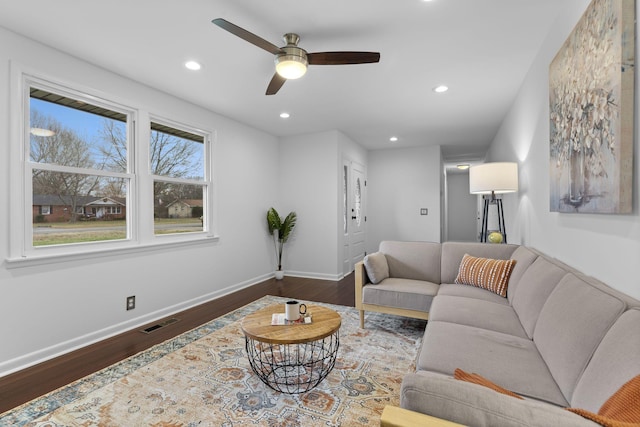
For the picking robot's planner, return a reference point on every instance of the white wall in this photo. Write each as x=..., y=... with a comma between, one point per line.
x=308, y=183
x=604, y=246
x=310, y=172
x=50, y=309
x=400, y=182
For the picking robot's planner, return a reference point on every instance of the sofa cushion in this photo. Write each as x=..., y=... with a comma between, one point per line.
x=413, y=260
x=376, y=266
x=479, y=313
x=474, y=378
x=620, y=410
x=510, y=361
x=487, y=273
x=524, y=257
x=571, y=324
x=470, y=292
x=401, y=293
x=612, y=363
x=441, y=396
x=533, y=289
x=452, y=253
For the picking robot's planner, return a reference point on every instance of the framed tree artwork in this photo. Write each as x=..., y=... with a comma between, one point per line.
x=591, y=101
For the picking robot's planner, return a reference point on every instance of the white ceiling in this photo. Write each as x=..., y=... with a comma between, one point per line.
x=481, y=49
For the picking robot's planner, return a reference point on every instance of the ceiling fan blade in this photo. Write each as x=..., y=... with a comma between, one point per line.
x=339, y=58
x=246, y=35
x=275, y=84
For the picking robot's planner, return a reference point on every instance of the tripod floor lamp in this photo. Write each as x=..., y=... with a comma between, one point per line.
x=490, y=179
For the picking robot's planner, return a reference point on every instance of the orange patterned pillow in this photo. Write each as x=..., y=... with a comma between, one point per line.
x=459, y=374
x=620, y=410
x=490, y=274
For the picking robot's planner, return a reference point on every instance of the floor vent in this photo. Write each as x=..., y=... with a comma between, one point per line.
x=160, y=325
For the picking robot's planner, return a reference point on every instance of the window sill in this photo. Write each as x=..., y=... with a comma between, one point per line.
x=36, y=260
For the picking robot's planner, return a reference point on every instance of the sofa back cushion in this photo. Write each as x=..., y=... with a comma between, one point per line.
x=571, y=325
x=615, y=361
x=452, y=253
x=413, y=260
x=533, y=289
x=524, y=257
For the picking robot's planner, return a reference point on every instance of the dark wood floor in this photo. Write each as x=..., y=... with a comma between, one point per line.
x=23, y=386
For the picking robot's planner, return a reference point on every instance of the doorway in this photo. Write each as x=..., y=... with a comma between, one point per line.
x=462, y=208
x=353, y=214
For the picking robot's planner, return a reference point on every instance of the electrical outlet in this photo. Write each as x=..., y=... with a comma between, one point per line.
x=131, y=302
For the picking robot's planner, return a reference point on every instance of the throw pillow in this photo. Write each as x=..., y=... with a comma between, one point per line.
x=459, y=374
x=376, y=266
x=620, y=410
x=490, y=274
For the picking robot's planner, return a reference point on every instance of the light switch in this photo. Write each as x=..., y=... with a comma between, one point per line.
x=424, y=211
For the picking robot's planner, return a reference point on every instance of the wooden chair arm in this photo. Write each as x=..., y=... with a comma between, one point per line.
x=394, y=416
x=361, y=279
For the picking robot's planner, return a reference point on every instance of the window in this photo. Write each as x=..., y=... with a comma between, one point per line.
x=176, y=159
x=75, y=161
x=358, y=203
x=80, y=160
x=345, y=189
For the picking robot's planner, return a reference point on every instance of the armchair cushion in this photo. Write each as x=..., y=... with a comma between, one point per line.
x=376, y=266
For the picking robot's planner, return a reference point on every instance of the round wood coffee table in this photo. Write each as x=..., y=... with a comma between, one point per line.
x=292, y=358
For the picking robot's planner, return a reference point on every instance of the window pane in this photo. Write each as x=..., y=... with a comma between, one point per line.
x=67, y=136
x=176, y=154
x=82, y=208
x=178, y=208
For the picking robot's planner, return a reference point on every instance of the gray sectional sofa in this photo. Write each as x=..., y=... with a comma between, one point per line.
x=559, y=338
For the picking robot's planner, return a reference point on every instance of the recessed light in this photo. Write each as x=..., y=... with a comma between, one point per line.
x=192, y=65
x=393, y=139
x=41, y=132
x=440, y=89
x=285, y=115
x=464, y=166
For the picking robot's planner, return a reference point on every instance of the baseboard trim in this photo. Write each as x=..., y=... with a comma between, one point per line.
x=319, y=276
x=26, y=361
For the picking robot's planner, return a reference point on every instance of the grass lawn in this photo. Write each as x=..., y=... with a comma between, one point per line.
x=60, y=233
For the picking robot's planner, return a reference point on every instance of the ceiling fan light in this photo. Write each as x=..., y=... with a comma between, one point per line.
x=291, y=66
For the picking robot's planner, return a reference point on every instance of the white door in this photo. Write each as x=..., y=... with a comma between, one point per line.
x=353, y=213
x=356, y=216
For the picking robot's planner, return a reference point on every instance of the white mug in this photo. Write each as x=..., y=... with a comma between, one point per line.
x=293, y=310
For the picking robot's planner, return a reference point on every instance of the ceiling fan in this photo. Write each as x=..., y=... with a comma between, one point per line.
x=291, y=60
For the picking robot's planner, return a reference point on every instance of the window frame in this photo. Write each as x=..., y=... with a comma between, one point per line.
x=206, y=182
x=140, y=236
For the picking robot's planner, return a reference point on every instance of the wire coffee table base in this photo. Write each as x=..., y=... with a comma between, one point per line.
x=293, y=368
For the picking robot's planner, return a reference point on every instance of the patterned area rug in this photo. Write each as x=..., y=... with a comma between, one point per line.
x=203, y=378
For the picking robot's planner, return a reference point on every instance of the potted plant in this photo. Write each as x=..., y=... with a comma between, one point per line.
x=280, y=230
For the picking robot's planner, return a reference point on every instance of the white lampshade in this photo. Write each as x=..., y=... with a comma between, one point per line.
x=487, y=178
x=291, y=66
